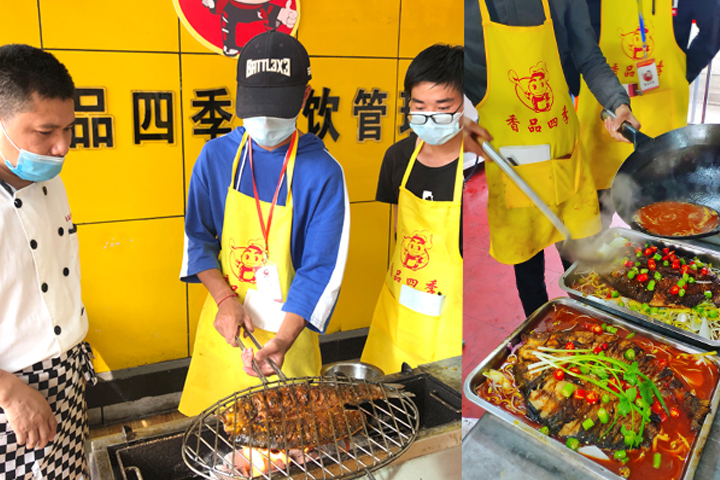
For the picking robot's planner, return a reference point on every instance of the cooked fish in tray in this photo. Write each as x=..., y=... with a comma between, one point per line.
x=636, y=404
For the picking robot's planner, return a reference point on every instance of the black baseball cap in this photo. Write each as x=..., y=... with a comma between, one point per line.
x=273, y=70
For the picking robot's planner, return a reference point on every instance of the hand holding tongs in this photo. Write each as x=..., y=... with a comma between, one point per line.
x=526, y=189
x=255, y=364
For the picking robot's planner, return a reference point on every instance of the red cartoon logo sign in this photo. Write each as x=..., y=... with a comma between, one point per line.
x=225, y=26
x=632, y=44
x=245, y=259
x=534, y=91
x=415, y=254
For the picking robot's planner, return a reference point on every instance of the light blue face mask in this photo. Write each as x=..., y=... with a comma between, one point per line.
x=434, y=134
x=33, y=167
x=269, y=131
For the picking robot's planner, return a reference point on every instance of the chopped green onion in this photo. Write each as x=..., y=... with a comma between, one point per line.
x=568, y=390
x=573, y=443
x=657, y=458
x=588, y=424
x=603, y=416
x=654, y=310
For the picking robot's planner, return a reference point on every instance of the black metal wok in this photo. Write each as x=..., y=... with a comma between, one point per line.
x=682, y=165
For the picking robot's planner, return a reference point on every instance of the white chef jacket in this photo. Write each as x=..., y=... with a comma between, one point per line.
x=41, y=312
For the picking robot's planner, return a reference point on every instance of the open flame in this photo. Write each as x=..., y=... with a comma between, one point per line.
x=252, y=462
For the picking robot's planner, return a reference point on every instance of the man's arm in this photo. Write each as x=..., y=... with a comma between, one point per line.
x=27, y=411
x=475, y=83
x=706, y=44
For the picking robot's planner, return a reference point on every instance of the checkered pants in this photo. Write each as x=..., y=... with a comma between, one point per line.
x=60, y=380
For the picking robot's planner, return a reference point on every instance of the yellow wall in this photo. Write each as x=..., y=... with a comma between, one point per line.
x=128, y=200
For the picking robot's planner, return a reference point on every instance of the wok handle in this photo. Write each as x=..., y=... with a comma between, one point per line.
x=626, y=130
x=526, y=189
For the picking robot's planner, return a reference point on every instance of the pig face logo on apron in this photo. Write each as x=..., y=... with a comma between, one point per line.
x=534, y=91
x=632, y=44
x=245, y=259
x=416, y=248
x=225, y=26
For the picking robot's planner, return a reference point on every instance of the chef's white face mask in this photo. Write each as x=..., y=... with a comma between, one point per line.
x=269, y=131
x=33, y=167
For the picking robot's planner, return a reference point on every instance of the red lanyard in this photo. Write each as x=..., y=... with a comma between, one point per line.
x=266, y=231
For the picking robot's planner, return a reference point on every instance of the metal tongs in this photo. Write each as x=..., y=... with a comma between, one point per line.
x=505, y=166
x=255, y=364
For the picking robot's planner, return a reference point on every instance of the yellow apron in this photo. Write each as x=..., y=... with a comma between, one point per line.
x=426, y=258
x=527, y=103
x=216, y=367
x=659, y=110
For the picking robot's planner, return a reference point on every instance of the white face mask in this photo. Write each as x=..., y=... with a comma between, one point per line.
x=269, y=131
x=434, y=134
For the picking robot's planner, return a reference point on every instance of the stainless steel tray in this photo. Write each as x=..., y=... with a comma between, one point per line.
x=497, y=357
x=704, y=254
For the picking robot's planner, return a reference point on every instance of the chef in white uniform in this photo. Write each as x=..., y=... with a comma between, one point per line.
x=43, y=361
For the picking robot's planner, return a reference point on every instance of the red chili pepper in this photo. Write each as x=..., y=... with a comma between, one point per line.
x=642, y=277
x=674, y=412
x=575, y=370
x=692, y=262
x=703, y=271
x=675, y=265
x=592, y=398
x=597, y=350
x=684, y=268
x=654, y=248
x=629, y=263
x=675, y=289
x=609, y=295
x=651, y=264
x=663, y=417
x=638, y=249
x=569, y=346
x=627, y=244
x=648, y=252
x=579, y=394
x=666, y=250
x=559, y=374
x=663, y=363
x=656, y=407
x=604, y=346
x=597, y=329
x=665, y=257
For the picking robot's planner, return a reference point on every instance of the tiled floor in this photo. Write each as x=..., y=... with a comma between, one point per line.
x=492, y=308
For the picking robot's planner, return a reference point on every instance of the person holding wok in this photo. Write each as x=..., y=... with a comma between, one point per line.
x=647, y=47
x=517, y=53
x=266, y=231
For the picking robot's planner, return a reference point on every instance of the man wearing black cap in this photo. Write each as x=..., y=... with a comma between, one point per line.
x=272, y=205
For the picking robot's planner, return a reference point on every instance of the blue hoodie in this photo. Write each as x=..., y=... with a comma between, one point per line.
x=321, y=217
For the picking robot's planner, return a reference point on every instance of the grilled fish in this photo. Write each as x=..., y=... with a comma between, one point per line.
x=299, y=416
x=564, y=416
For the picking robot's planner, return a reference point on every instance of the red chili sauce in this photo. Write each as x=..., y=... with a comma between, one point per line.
x=677, y=219
x=700, y=380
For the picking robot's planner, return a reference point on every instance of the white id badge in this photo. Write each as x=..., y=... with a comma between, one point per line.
x=647, y=75
x=526, y=154
x=268, y=281
x=265, y=312
x=421, y=302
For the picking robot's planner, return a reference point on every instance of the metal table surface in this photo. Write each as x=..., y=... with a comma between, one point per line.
x=494, y=450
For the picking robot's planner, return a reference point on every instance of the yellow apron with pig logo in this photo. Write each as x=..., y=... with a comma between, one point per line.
x=527, y=104
x=659, y=110
x=418, y=317
x=216, y=367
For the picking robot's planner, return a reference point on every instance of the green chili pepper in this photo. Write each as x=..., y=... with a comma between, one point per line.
x=666, y=263
x=694, y=266
x=654, y=310
x=606, y=398
x=545, y=431
x=640, y=403
x=657, y=276
x=615, y=294
x=639, y=254
x=681, y=283
x=621, y=303
x=713, y=314
x=588, y=424
x=691, y=280
x=657, y=458
x=573, y=443
x=630, y=335
x=651, y=285
x=629, y=439
x=682, y=261
x=657, y=257
x=685, y=277
x=568, y=390
x=630, y=354
x=603, y=416
x=620, y=454
x=681, y=292
x=631, y=275
x=708, y=294
x=644, y=270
